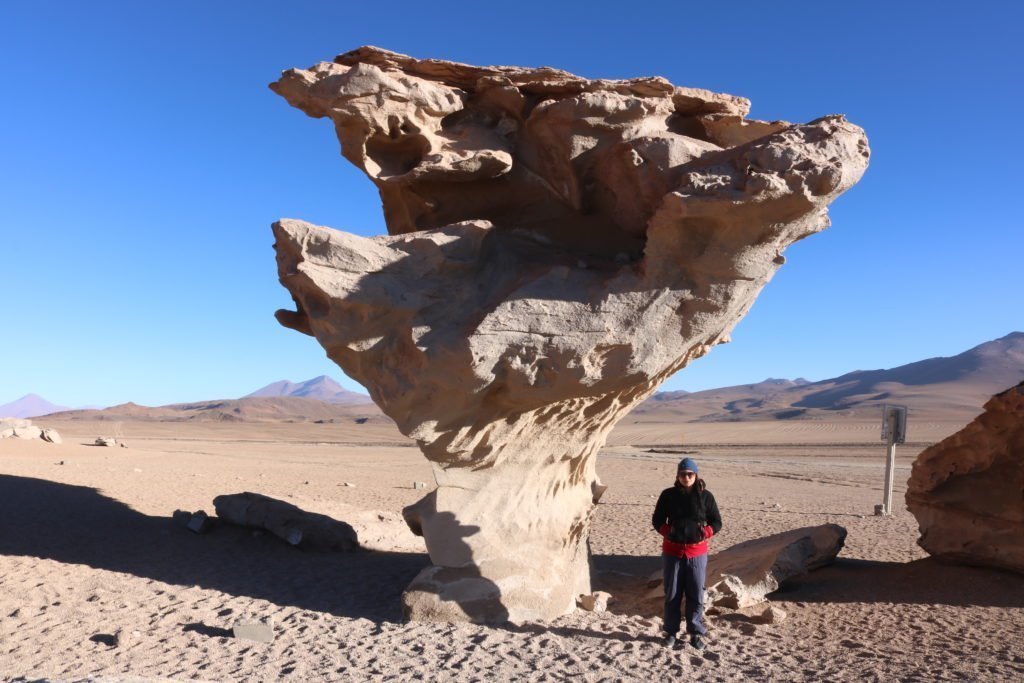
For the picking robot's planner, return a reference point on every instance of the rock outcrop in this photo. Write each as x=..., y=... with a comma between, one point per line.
x=22, y=428
x=51, y=435
x=286, y=521
x=558, y=247
x=967, y=491
x=594, y=602
x=744, y=574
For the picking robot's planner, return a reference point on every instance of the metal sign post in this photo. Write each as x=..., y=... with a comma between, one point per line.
x=894, y=431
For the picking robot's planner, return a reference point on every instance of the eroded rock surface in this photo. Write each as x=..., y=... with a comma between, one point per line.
x=559, y=246
x=286, y=521
x=967, y=491
x=744, y=574
x=21, y=428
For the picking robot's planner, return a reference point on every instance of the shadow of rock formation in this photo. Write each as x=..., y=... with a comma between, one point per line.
x=453, y=590
x=79, y=525
x=922, y=582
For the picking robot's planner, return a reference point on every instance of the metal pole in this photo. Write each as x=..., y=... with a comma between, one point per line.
x=890, y=464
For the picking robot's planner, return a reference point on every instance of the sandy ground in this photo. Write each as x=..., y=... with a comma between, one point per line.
x=96, y=583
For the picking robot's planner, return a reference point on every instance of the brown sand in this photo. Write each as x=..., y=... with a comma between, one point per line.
x=97, y=583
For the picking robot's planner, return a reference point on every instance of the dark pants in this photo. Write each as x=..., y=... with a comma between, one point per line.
x=684, y=577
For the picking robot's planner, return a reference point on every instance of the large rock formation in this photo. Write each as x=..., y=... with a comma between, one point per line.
x=559, y=246
x=967, y=491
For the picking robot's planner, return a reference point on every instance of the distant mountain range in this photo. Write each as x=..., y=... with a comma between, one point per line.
x=250, y=409
x=953, y=388
x=29, y=405
x=321, y=388
x=320, y=398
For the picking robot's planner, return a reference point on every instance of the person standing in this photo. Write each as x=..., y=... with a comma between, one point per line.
x=686, y=516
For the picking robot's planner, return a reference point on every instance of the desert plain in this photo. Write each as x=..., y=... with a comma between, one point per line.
x=99, y=584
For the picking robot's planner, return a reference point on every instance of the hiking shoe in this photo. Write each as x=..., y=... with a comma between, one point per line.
x=670, y=641
x=697, y=641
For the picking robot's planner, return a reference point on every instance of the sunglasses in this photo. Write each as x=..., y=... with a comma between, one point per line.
x=687, y=474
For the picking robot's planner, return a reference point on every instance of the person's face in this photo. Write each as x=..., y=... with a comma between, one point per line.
x=686, y=478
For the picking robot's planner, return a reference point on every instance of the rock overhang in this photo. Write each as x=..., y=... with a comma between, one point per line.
x=579, y=164
x=558, y=247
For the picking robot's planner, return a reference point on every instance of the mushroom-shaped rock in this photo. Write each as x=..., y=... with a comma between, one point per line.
x=558, y=247
x=967, y=491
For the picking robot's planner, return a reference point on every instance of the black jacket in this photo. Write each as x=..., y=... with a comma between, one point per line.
x=686, y=514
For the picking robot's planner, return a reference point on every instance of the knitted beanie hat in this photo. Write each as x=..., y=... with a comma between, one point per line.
x=688, y=465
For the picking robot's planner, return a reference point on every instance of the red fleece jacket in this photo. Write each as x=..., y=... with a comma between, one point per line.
x=687, y=550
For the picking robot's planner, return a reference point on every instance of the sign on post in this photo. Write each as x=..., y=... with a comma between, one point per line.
x=894, y=431
x=894, y=423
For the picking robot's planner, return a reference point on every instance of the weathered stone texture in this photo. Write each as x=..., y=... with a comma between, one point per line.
x=286, y=521
x=744, y=574
x=967, y=491
x=21, y=428
x=559, y=246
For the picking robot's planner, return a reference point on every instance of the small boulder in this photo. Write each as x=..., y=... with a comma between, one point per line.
x=105, y=441
x=286, y=521
x=51, y=435
x=744, y=574
x=594, y=602
x=259, y=630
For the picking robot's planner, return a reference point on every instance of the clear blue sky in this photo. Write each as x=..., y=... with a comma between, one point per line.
x=143, y=160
